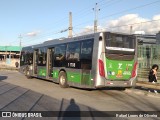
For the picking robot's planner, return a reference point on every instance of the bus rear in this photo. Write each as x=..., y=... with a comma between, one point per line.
x=117, y=61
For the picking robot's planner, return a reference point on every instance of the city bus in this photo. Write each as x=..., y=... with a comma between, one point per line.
x=104, y=59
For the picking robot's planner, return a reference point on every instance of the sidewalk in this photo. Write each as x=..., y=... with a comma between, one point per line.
x=143, y=91
x=9, y=63
x=5, y=67
x=146, y=80
x=9, y=66
x=143, y=84
x=143, y=87
x=146, y=84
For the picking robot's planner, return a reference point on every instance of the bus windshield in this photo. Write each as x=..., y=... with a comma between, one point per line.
x=120, y=44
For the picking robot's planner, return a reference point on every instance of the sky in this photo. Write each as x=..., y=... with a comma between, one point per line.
x=35, y=21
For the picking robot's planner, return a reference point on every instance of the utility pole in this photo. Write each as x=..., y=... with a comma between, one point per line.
x=96, y=17
x=70, y=25
x=20, y=45
x=20, y=40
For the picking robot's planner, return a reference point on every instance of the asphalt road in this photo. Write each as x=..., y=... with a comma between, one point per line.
x=17, y=93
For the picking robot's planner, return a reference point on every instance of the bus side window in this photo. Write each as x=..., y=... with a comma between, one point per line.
x=73, y=55
x=22, y=58
x=73, y=51
x=86, y=54
x=59, y=56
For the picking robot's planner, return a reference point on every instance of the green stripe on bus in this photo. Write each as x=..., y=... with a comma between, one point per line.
x=83, y=79
x=74, y=77
x=42, y=72
x=86, y=79
x=55, y=74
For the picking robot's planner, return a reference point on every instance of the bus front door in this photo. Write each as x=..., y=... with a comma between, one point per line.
x=35, y=60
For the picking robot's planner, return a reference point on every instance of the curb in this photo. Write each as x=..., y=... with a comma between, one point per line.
x=143, y=91
x=144, y=84
x=9, y=68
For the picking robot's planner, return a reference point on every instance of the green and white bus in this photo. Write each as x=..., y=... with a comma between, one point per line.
x=97, y=60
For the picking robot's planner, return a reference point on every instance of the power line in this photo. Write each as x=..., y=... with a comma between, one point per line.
x=134, y=23
x=59, y=21
x=56, y=32
x=47, y=33
x=113, y=13
x=88, y=10
x=126, y=25
x=102, y=1
x=137, y=7
x=121, y=12
x=108, y=3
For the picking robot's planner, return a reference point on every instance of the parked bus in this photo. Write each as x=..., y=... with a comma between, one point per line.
x=90, y=61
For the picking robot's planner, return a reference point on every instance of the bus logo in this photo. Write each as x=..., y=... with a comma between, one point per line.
x=119, y=75
x=119, y=65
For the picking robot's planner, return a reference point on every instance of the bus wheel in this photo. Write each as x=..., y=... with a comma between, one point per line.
x=28, y=74
x=63, y=80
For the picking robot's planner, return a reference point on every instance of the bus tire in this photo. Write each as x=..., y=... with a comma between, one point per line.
x=63, y=79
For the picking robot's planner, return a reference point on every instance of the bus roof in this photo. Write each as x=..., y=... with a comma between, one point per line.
x=53, y=42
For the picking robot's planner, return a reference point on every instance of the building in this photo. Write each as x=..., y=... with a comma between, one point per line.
x=158, y=38
x=148, y=54
x=147, y=39
x=148, y=50
x=9, y=55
